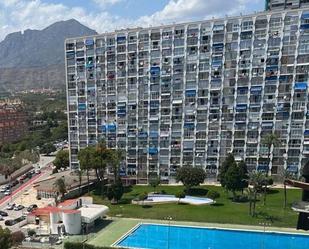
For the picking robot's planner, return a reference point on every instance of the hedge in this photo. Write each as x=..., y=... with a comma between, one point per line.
x=79, y=245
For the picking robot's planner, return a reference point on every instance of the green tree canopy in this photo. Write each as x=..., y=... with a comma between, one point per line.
x=62, y=159
x=48, y=148
x=60, y=186
x=234, y=179
x=5, y=238
x=190, y=176
x=229, y=161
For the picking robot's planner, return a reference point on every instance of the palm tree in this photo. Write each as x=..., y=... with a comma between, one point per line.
x=285, y=175
x=60, y=186
x=270, y=140
x=256, y=180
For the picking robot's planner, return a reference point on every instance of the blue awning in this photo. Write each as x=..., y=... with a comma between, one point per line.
x=111, y=127
x=271, y=78
x=82, y=106
x=155, y=70
x=304, y=26
x=300, y=86
x=218, y=45
x=292, y=168
x=121, y=38
x=241, y=107
x=256, y=89
x=153, y=134
x=306, y=132
x=142, y=134
x=188, y=125
x=305, y=16
x=262, y=168
x=153, y=150
x=89, y=42
x=190, y=93
x=267, y=124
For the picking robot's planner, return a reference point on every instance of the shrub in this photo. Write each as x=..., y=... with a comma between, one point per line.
x=142, y=196
x=163, y=192
x=78, y=245
x=31, y=232
x=212, y=194
x=17, y=237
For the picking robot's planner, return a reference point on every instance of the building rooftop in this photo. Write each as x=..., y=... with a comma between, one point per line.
x=92, y=211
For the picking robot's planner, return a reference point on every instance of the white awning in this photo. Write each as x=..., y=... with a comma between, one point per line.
x=92, y=212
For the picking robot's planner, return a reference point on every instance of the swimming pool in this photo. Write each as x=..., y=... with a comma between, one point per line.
x=153, y=236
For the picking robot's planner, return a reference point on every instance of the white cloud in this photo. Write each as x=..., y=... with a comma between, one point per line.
x=184, y=10
x=18, y=15
x=104, y=3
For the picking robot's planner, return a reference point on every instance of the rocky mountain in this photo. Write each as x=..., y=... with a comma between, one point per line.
x=35, y=58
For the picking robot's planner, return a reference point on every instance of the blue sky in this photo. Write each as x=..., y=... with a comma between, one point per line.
x=107, y=15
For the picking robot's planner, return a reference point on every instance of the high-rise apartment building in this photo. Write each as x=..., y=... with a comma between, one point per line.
x=13, y=121
x=285, y=4
x=188, y=94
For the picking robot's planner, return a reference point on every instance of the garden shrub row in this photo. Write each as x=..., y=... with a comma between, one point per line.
x=79, y=245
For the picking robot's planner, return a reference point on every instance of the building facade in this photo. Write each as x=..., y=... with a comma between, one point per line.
x=285, y=4
x=13, y=121
x=189, y=94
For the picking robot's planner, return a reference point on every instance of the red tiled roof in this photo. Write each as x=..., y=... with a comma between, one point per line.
x=67, y=203
x=50, y=209
x=45, y=210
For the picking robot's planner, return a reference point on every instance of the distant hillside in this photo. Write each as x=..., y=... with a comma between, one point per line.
x=35, y=58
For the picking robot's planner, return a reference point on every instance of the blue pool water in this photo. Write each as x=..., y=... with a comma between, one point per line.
x=153, y=236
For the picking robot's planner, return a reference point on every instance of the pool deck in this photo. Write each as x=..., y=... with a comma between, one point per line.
x=120, y=226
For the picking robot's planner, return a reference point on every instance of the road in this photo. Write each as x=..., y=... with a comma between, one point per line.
x=21, y=189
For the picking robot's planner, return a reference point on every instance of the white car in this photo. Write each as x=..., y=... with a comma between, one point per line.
x=3, y=189
x=1, y=218
x=8, y=192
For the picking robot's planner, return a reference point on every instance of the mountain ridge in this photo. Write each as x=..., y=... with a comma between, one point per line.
x=25, y=55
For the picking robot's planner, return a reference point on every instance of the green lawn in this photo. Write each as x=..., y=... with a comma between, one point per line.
x=224, y=211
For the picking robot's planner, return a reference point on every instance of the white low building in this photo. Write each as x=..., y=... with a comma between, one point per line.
x=70, y=216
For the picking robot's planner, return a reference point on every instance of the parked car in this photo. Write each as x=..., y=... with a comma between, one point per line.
x=10, y=222
x=2, y=213
x=1, y=218
x=19, y=207
x=32, y=207
x=10, y=206
x=8, y=192
x=3, y=189
x=15, y=182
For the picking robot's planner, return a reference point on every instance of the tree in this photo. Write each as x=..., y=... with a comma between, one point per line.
x=80, y=178
x=85, y=156
x=234, y=179
x=115, y=191
x=5, y=238
x=62, y=159
x=284, y=175
x=270, y=140
x=244, y=174
x=47, y=149
x=256, y=180
x=17, y=237
x=180, y=195
x=190, y=177
x=115, y=157
x=154, y=182
x=104, y=155
x=229, y=161
x=60, y=186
